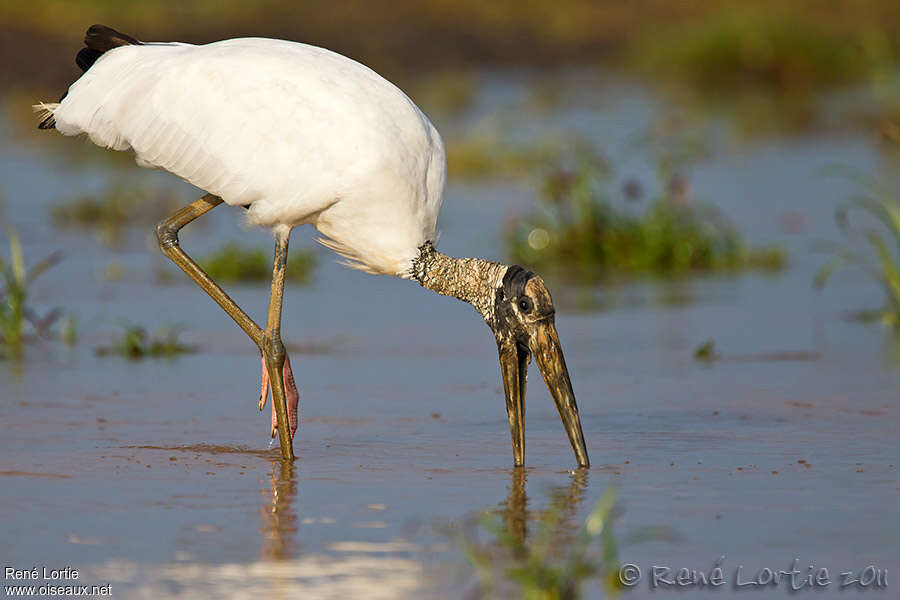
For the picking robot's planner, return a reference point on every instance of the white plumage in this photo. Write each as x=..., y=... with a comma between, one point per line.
x=299, y=133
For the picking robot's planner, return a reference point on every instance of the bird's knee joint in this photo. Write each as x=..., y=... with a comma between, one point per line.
x=275, y=350
x=166, y=235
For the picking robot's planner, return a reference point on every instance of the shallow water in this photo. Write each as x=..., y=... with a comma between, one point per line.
x=156, y=477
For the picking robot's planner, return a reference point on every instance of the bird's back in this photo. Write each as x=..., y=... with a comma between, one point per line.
x=298, y=134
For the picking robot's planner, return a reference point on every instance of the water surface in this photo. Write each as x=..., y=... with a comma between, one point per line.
x=156, y=476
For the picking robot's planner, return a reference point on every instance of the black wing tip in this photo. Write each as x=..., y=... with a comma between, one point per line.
x=48, y=123
x=103, y=38
x=86, y=57
x=99, y=39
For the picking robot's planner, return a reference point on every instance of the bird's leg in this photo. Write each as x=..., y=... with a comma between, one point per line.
x=276, y=367
x=167, y=235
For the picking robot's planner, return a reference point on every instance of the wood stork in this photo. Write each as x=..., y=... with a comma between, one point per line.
x=298, y=135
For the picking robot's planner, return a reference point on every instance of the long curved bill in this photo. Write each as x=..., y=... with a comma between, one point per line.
x=547, y=351
x=514, y=369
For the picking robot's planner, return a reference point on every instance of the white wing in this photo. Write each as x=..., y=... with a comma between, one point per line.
x=297, y=133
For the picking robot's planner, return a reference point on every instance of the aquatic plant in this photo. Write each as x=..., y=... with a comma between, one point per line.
x=69, y=333
x=580, y=230
x=765, y=68
x=135, y=343
x=119, y=205
x=14, y=311
x=731, y=50
x=481, y=156
x=706, y=352
x=879, y=203
x=446, y=93
x=234, y=263
x=887, y=128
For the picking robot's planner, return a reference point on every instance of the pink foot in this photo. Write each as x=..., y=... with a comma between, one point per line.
x=291, y=396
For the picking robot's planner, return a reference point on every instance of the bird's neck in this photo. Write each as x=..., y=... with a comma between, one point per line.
x=472, y=280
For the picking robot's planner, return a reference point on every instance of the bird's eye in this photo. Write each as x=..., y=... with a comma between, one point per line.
x=525, y=304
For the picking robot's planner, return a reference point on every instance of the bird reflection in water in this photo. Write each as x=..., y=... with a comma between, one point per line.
x=550, y=553
x=565, y=500
x=278, y=517
x=539, y=553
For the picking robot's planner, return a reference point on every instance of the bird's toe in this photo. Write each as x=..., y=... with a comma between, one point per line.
x=291, y=397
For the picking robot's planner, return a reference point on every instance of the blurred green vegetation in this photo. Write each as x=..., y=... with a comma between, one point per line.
x=118, y=205
x=481, y=157
x=767, y=38
x=706, y=352
x=446, y=93
x=14, y=310
x=876, y=247
x=733, y=50
x=234, y=263
x=768, y=68
x=135, y=343
x=581, y=230
x=765, y=62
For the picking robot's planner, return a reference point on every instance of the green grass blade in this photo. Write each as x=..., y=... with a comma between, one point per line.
x=889, y=269
x=601, y=515
x=848, y=254
x=43, y=265
x=885, y=211
x=16, y=258
x=827, y=270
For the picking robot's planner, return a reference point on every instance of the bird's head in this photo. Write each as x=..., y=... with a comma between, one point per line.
x=516, y=305
x=523, y=324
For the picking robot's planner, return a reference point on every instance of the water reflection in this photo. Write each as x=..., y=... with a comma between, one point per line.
x=532, y=552
x=564, y=503
x=515, y=509
x=278, y=516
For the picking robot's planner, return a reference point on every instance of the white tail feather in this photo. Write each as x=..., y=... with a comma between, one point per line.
x=45, y=109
